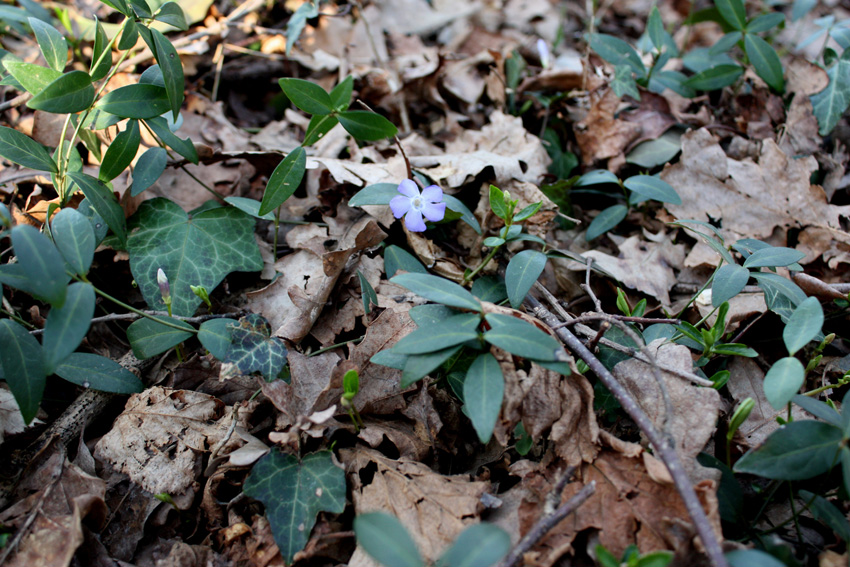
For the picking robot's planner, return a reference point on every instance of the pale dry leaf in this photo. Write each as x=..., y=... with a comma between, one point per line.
x=311, y=388
x=800, y=136
x=402, y=434
x=695, y=409
x=600, y=135
x=434, y=508
x=11, y=420
x=741, y=307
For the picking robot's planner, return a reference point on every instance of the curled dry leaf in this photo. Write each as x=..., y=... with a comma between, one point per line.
x=600, y=135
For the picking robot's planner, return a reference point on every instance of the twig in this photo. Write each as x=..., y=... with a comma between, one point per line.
x=587, y=317
x=663, y=447
x=134, y=316
x=17, y=101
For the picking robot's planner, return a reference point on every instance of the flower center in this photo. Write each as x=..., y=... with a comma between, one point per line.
x=417, y=202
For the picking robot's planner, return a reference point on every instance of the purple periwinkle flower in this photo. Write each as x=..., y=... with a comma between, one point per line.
x=413, y=205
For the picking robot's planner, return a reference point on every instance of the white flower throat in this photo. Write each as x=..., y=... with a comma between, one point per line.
x=417, y=202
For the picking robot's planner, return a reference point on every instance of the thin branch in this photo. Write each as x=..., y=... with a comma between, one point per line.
x=134, y=316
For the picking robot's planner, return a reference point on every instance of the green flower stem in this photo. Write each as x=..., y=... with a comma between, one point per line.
x=17, y=319
x=276, y=227
x=332, y=347
x=201, y=183
x=841, y=382
x=483, y=263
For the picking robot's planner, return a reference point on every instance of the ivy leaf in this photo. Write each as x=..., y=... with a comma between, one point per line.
x=830, y=104
x=197, y=250
x=294, y=493
x=99, y=373
x=483, y=392
x=23, y=367
x=253, y=349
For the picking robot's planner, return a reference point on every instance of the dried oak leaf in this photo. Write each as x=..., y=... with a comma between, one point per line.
x=434, y=508
x=600, y=135
x=628, y=507
x=161, y=436
x=753, y=199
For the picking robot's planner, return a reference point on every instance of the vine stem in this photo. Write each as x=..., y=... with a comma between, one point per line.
x=483, y=263
x=664, y=449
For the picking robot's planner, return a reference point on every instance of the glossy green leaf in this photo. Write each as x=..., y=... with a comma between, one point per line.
x=455, y=330
x=103, y=200
x=386, y=541
x=183, y=147
x=396, y=258
x=804, y=325
x=365, y=125
x=34, y=78
x=375, y=194
x=818, y=409
x=831, y=103
x=497, y=202
x=617, y=52
x=13, y=275
x=799, y=450
x=479, y=545
x=101, y=59
x=765, y=61
x=320, y=124
x=390, y=359
x=493, y=241
x=733, y=12
x=41, y=263
x=121, y=152
x=23, y=367
x=417, y=366
x=164, y=236
x=172, y=70
x=728, y=282
x=826, y=512
x=725, y=43
x=297, y=21
x=307, y=96
x=142, y=9
x=149, y=168
x=129, y=34
x=734, y=349
x=783, y=381
x=597, y=177
x=149, y=338
x=294, y=492
x=120, y=5
x=521, y=273
x=651, y=187
x=215, y=336
x=249, y=206
x=765, y=22
x=430, y=314
x=68, y=325
x=99, y=373
x=253, y=349
x=489, y=288
x=52, y=43
x=23, y=150
x=657, y=152
x=655, y=28
x=172, y=14
x=139, y=101
x=715, y=77
x=522, y=339
x=752, y=558
x=285, y=180
x=437, y=289
x=528, y=212
x=341, y=94
x=456, y=205
x=781, y=295
x=483, y=392
x=605, y=221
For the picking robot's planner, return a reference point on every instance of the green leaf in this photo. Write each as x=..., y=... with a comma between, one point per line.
x=396, y=258
x=605, y=221
x=129, y=34
x=483, y=392
x=489, y=288
x=97, y=71
x=41, y=263
x=121, y=152
x=172, y=70
x=523, y=270
x=67, y=326
x=297, y=21
x=455, y=330
x=249, y=206
x=493, y=241
x=734, y=349
x=253, y=349
x=23, y=367
x=617, y=52
x=141, y=8
x=164, y=236
x=341, y=94
x=733, y=12
x=801, y=449
x=655, y=28
x=375, y=194
x=725, y=43
x=386, y=541
x=597, y=177
x=438, y=289
x=728, y=282
x=831, y=103
x=307, y=96
x=34, y=78
x=783, y=381
x=365, y=125
x=139, y=101
x=215, y=335
x=13, y=275
x=149, y=338
x=294, y=493
x=285, y=180
x=120, y=5
x=23, y=150
x=715, y=77
x=367, y=293
x=390, y=359
x=417, y=366
x=818, y=409
x=651, y=187
x=765, y=22
x=528, y=212
x=456, y=205
x=765, y=61
x=148, y=169
x=826, y=512
x=497, y=203
x=430, y=314
x=183, y=147
x=657, y=152
x=103, y=201
x=319, y=125
x=52, y=43
x=522, y=339
x=752, y=558
x=172, y=14
x=781, y=295
x=804, y=325
x=99, y=373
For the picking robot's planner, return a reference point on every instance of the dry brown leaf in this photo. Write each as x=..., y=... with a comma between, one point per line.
x=801, y=129
x=600, y=135
x=403, y=435
x=11, y=420
x=311, y=388
x=695, y=409
x=751, y=199
x=434, y=508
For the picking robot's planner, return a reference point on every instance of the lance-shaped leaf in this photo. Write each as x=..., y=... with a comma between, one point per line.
x=67, y=326
x=103, y=201
x=523, y=270
x=455, y=330
x=479, y=545
x=799, y=450
x=136, y=101
x=70, y=93
x=99, y=373
x=521, y=338
x=417, y=366
x=199, y=250
x=765, y=60
x=386, y=540
x=53, y=44
x=733, y=12
x=23, y=150
x=439, y=290
x=606, y=220
x=253, y=349
x=73, y=236
x=150, y=338
x=376, y=194
x=41, y=263
x=307, y=96
x=172, y=70
x=294, y=492
x=804, y=325
x=285, y=180
x=483, y=392
x=184, y=147
x=23, y=367
x=34, y=78
x=365, y=125
x=148, y=169
x=771, y=256
x=651, y=187
x=121, y=152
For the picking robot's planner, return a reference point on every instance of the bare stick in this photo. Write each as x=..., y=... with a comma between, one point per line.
x=664, y=448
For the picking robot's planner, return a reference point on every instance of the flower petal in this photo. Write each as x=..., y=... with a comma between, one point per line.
x=434, y=211
x=400, y=205
x=408, y=188
x=414, y=221
x=432, y=194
